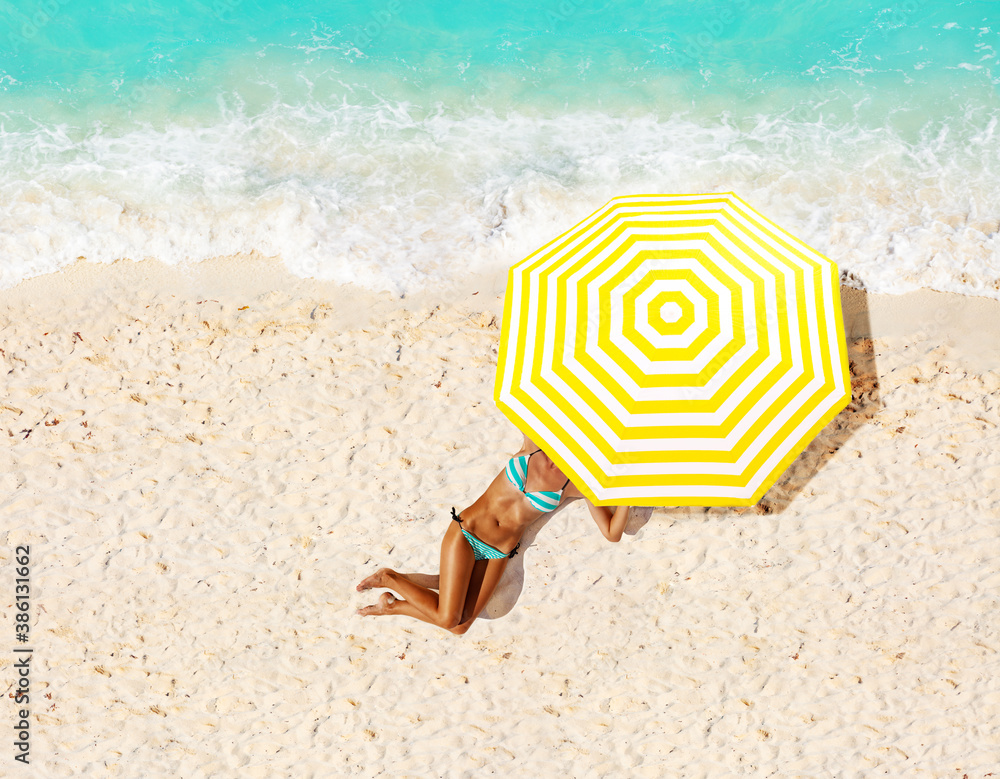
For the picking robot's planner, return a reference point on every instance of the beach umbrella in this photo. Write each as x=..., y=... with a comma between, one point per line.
x=673, y=350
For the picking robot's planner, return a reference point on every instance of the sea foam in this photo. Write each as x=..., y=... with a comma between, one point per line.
x=393, y=196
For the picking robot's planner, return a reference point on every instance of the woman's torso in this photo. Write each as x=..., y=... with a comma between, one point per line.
x=501, y=514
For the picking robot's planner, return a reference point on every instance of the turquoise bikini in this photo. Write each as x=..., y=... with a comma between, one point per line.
x=517, y=473
x=480, y=549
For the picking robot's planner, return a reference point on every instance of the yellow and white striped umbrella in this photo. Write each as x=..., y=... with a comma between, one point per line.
x=673, y=350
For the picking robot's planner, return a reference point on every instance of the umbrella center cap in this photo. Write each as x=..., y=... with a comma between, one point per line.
x=666, y=314
x=670, y=312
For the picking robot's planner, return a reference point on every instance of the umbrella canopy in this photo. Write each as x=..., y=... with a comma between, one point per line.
x=673, y=350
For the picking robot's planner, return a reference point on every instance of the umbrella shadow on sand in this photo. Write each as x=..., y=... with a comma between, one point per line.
x=865, y=404
x=511, y=583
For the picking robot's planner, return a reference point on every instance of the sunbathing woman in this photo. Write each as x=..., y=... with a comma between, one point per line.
x=472, y=556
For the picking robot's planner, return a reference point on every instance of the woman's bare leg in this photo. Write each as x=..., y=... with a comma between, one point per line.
x=431, y=581
x=443, y=608
x=483, y=584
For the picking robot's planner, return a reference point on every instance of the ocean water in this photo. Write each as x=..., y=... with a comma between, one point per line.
x=396, y=145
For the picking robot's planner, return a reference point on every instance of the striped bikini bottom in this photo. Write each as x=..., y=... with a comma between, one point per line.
x=479, y=549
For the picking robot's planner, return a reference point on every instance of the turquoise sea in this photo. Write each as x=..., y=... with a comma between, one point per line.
x=396, y=144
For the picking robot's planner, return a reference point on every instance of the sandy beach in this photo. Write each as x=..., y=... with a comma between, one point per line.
x=206, y=460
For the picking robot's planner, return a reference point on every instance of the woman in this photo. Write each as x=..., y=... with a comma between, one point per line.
x=480, y=541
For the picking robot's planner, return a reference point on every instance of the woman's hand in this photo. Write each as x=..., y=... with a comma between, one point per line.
x=611, y=523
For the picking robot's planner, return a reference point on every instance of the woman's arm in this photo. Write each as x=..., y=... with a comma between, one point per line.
x=611, y=523
x=610, y=519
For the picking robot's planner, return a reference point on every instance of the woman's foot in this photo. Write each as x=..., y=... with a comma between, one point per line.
x=378, y=609
x=375, y=581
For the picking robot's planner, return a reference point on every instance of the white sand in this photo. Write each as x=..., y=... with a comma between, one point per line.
x=206, y=462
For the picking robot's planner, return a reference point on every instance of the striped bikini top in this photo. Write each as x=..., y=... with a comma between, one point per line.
x=517, y=473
